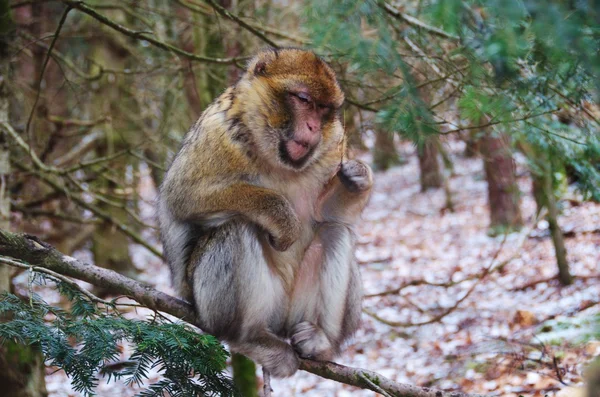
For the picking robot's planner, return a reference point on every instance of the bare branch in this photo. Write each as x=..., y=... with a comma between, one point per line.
x=58, y=186
x=365, y=379
x=61, y=22
x=83, y=7
x=30, y=249
x=232, y=17
x=28, y=149
x=418, y=23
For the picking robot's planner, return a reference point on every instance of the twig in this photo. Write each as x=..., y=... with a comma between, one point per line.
x=36, y=160
x=225, y=12
x=478, y=278
x=417, y=23
x=48, y=53
x=373, y=385
x=58, y=276
x=491, y=123
x=83, y=7
x=533, y=283
x=49, y=180
x=267, y=389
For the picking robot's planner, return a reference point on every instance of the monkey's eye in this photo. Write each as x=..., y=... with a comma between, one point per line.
x=305, y=98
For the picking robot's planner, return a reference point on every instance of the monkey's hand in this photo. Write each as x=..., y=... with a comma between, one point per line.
x=263, y=207
x=356, y=176
x=345, y=196
x=286, y=226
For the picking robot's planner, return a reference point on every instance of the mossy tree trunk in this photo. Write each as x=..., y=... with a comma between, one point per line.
x=503, y=191
x=244, y=375
x=21, y=367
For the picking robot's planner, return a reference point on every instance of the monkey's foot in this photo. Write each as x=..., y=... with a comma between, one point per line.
x=281, y=363
x=311, y=342
x=356, y=176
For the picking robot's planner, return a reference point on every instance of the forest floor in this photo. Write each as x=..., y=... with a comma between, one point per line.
x=474, y=313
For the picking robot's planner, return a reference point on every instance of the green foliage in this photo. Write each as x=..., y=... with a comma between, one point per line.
x=85, y=342
x=573, y=330
x=505, y=65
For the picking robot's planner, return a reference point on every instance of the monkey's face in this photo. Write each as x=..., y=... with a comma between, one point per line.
x=298, y=99
x=303, y=134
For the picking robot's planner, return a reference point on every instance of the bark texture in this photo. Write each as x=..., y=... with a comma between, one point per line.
x=431, y=175
x=21, y=367
x=503, y=191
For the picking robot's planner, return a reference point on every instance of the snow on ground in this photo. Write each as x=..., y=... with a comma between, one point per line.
x=483, y=344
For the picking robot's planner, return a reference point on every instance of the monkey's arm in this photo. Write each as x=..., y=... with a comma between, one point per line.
x=261, y=206
x=344, y=198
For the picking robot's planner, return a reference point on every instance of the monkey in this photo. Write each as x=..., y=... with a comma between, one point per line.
x=257, y=213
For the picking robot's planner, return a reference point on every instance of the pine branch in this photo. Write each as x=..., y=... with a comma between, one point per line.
x=30, y=249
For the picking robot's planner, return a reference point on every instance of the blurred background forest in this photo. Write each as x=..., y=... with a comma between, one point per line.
x=480, y=248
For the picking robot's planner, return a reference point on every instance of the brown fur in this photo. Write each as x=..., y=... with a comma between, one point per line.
x=231, y=202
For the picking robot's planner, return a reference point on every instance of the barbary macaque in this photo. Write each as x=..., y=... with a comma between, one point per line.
x=257, y=211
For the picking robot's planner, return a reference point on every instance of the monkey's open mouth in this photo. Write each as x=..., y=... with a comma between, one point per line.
x=295, y=152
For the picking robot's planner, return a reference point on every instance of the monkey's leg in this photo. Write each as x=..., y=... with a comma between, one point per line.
x=239, y=299
x=326, y=311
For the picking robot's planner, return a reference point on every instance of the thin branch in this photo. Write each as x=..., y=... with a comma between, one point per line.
x=232, y=17
x=48, y=53
x=417, y=23
x=365, y=379
x=361, y=105
x=28, y=149
x=49, y=180
x=58, y=276
x=491, y=123
x=34, y=251
x=52, y=214
x=267, y=390
x=83, y=7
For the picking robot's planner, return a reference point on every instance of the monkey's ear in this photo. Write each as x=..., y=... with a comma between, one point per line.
x=260, y=69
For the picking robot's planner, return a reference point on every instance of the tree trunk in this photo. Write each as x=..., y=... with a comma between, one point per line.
x=21, y=367
x=109, y=247
x=431, y=174
x=503, y=191
x=472, y=145
x=384, y=151
x=543, y=190
x=353, y=133
x=244, y=375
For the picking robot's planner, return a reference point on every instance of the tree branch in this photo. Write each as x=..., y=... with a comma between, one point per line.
x=30, y=249
x=225, y=13
x=63, y=18
x=83, y=7
x=417, y=23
